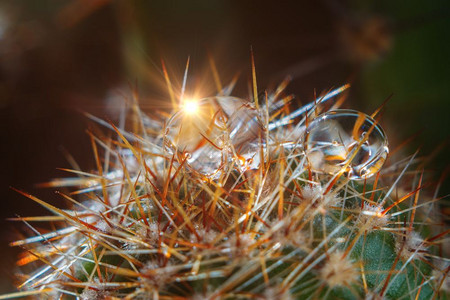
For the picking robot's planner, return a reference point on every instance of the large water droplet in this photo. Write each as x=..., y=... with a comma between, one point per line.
x=247, y=134
x=346, y=139
x=204, y=135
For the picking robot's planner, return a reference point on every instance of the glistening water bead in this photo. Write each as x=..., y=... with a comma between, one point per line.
x=346, y=140
x=205, y=134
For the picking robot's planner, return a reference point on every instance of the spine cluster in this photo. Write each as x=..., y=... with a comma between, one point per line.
x=259, y=205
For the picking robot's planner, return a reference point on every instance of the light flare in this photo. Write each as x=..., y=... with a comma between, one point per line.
x=190, y=106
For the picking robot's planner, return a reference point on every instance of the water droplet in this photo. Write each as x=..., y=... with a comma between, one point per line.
x=346, y=139
x=247, y=135
x=212, y=131
x=196, y=134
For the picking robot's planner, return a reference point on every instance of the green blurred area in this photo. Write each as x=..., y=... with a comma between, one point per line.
x=417, y=72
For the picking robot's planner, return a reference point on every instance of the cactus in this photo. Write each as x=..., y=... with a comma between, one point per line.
x=226, y=198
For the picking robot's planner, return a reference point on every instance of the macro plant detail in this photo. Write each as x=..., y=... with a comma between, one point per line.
x=232, y=198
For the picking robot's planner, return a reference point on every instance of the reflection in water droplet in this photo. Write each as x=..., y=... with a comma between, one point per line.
x=219, y=128
x=346, y=139
x=246, y=133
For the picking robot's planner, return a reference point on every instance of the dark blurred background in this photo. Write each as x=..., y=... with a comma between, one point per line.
x=61, y=57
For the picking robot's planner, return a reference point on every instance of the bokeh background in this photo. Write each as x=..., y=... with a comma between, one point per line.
x=61, y=57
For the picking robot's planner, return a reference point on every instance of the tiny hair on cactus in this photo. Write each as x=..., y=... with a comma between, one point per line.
x=239, y=198
x=339, y=270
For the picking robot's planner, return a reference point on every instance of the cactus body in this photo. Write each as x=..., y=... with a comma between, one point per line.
x=243, y=205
